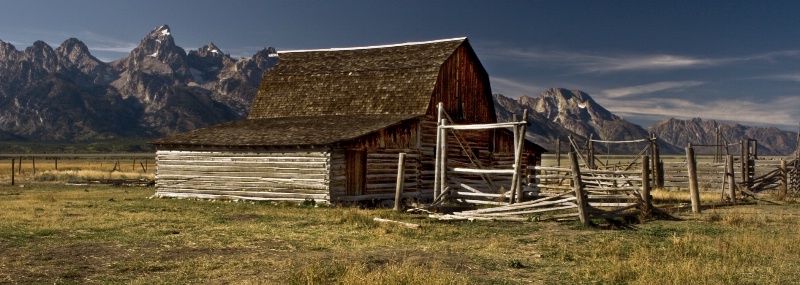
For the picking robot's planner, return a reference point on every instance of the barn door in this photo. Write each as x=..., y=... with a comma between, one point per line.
x=356, y=171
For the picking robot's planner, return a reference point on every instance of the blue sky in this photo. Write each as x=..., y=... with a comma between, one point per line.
x=643, y=60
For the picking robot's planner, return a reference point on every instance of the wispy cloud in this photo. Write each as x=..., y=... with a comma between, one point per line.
x=603, y=63
x=783, y=77
x=649, y=88
x=513, y=88
x=105, y=43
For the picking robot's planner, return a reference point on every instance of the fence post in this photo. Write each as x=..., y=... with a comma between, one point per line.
x=646, y=198
x=784, y=178
x=401, y=169
x=577, y=186
x=56, y=163
x=731, y=176
x=590, y=153
x=33, y=164
x=12, y=171
x=558, y=153
x=437, y=171
x=694, y=193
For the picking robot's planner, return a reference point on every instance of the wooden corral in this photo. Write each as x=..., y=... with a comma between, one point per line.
x=575, y=192
x=330, y=124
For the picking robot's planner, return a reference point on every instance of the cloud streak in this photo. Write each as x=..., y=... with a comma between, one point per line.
x=513, y=88
x=649, y=88
x=99, y=42
x=598, y=63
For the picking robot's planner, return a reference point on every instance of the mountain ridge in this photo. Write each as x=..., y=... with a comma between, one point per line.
x=558, y=113
x=68, y=95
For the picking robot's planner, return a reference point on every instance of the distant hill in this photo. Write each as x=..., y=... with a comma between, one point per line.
x=68, y=95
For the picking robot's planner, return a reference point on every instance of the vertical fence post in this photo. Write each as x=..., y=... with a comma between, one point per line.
x=12, y=171
x=729, y=174
x=657, y=169
x=590, y=152
x=646, y=198
x=784, y=178
x=558, y=153
x=443, y=159
x=521, y=148
x=56, y=163
x=437, y=172
x=577, y=186
x=694, y=193
x=401, y=169
x=33, y=164
x=513, y=189
x=19, y=166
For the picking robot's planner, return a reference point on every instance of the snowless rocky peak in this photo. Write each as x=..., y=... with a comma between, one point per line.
x=41, y=54
x=73, y=49
x=7, y=51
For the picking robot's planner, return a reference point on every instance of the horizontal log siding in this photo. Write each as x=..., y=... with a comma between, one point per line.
x=381, y=174
x=382, y=171
x=248, y=175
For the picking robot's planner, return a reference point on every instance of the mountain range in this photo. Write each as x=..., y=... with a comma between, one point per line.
x=66, y=95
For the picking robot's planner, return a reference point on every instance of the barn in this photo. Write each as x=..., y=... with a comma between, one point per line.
x=329, y=124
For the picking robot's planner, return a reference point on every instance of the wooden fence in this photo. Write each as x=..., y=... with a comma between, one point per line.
x=28, y=165
x=575, y=193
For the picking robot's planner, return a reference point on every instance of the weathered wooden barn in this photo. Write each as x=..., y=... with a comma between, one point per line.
x=329, y=124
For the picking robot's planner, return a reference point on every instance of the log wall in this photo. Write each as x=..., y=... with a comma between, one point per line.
x=252, y=175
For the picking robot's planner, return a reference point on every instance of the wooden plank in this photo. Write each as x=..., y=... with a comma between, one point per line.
x=482, y=171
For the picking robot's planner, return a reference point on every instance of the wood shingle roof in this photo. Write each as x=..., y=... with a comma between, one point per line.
x=395, y=79
x=286, y=131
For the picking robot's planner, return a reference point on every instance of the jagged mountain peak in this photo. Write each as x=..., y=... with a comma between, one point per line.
x=42, y=55
x=73, y=49
x=7, y=50
x=39, y=48
x=558, y=104
x=212, y=48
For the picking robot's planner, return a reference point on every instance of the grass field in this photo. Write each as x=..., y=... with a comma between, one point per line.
x=51, y=233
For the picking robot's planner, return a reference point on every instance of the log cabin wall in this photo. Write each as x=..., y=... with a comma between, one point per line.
x=366, y=167
x=244, y=174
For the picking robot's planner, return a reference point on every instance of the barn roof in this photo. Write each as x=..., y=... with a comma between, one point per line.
x=285, y=131
x=393, y=79
x=317, y=97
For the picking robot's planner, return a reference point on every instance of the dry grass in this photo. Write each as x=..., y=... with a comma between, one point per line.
x=101, y=234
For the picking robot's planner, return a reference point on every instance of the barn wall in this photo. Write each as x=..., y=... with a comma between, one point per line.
x=255, y=175
x=380, y=175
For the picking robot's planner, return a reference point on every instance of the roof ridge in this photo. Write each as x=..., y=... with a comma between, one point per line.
x=378, y=46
